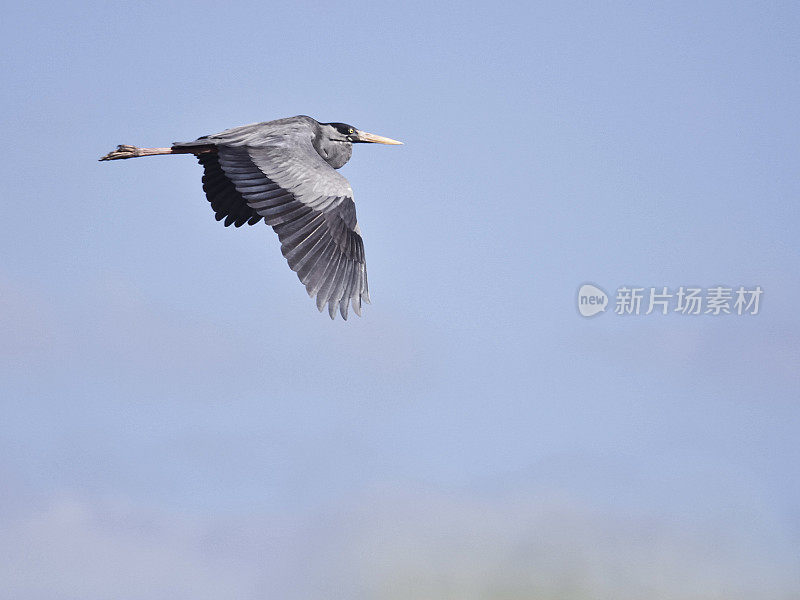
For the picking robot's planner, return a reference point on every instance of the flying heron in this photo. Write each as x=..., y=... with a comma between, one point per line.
x=283, y=171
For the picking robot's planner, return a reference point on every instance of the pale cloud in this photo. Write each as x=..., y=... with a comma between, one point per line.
x=393, y=543
x=550, y=546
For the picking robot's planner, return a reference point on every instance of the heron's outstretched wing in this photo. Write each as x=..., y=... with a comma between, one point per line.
x=309, y=205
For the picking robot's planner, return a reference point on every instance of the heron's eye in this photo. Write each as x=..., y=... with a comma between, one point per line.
x=351, y=131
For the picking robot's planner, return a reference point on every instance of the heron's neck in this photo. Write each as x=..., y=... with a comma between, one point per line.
x=336, y=154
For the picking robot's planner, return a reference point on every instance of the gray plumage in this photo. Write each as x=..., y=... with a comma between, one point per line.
x=284, y=172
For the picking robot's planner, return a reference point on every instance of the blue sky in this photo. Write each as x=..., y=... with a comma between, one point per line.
x=179, y=421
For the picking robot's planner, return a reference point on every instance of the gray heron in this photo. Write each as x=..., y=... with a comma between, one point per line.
x=284, y=172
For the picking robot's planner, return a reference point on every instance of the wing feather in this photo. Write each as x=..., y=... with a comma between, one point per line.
x=291, y=242
x=308, y=263
x=329, y=279
x=299, y=255
x=226, y=202
x=318, y=277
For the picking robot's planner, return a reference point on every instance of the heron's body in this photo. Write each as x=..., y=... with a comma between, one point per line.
x=284, y=172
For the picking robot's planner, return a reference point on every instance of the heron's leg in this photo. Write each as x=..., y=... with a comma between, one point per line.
x=125, y=151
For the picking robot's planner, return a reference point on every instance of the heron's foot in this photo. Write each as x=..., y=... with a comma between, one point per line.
x=123, y=151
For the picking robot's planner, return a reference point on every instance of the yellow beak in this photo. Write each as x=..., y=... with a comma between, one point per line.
x=363, y=136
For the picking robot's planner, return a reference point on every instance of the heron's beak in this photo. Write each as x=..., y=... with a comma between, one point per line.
x=363, y=136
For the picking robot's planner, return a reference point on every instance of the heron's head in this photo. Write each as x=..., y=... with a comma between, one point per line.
x=342, y=132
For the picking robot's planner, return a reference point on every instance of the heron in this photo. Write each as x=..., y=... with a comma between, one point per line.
x=284, y=172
